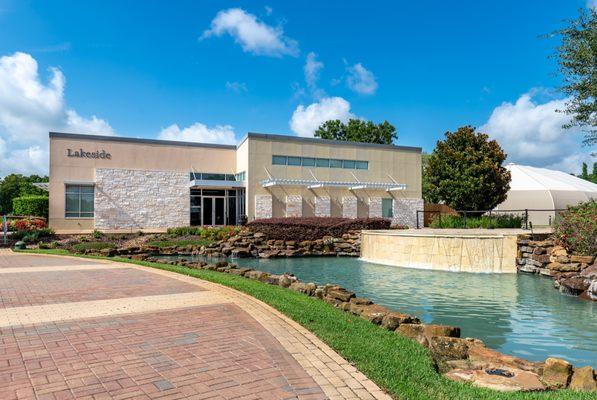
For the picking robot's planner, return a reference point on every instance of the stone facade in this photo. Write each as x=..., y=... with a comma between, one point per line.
x=349, y=207
x=140, y=199
x=405, y=212
x=375, y=207
x=263, y=206
x=294, y=205
x=323, y=206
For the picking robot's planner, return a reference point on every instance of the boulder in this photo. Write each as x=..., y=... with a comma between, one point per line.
x=286, y=280
x=441, y=330
x=582, y=259
x=374, y=313
x=583, y=379
x=413, y=331
x=257, y=275
x=557, y=372
x=241, y=252
x=480, y=354
x=445, y=348
x=392, y=320
x=505, y=380
x=574, y=285
x=590, y=272
x=306, y=288
x=339, y=293
x=566, y=267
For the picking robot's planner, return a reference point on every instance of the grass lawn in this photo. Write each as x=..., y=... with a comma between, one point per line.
x=397, y=364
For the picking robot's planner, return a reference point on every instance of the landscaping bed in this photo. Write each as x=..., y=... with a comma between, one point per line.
x=396, y=363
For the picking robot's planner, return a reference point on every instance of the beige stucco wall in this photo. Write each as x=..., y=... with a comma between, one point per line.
x=404, y=165
x=124, y=155
x=458, y=252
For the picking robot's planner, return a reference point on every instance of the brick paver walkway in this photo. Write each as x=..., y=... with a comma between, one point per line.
x=76, y=328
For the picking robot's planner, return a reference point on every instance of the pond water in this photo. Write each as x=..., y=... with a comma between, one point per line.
x=517, y=314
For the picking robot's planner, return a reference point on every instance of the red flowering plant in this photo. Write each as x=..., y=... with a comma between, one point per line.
x=576, y=229
x=29, y=224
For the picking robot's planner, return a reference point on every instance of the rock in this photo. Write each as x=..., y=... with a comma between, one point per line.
x=574, y=285
x=557, y=266
x=286, y=280
x=557, y=372
x=306, y=288
x=559, y=251
x=274, y=280
x=258, y=235
x=241, y=252
x=445, y=348
x=582, y=259
x=319, y=292
x=505, y=380
x=590, y=272
x=374, y=313
x=339, y=293
x=257, y=275
x=392, y=320
x=542, y=258
x=591, y=292
x=441, y=330
x=478, y=353
x=531, y=269
x=108, y=252
x=583, y=379
x=413, y=331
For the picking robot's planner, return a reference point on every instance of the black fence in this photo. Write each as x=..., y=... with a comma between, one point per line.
x=546, y=217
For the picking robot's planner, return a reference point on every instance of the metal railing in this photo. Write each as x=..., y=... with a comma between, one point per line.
x=468, y=214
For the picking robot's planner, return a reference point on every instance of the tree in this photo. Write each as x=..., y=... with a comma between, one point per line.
x=16, y=185
x=466, y=172
x=577, y=59
x=357, y=130
x=585, y=172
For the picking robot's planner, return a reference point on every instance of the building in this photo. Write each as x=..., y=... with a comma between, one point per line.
x=543, y=192
x=123, y=184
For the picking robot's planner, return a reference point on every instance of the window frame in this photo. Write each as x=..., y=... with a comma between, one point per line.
x=80, y=193
x=391, y=200
x=276, y=158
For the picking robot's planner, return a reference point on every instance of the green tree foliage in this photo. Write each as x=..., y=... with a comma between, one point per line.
x=466, y=172
x=585, y=172
x=577, y=58
x=592, y=177
x=356, y=130
x=16, y=185
x=34, y=205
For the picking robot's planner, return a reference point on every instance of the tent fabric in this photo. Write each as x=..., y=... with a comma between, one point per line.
x=540, y=188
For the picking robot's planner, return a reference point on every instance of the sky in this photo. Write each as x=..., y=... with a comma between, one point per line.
x=211, y=71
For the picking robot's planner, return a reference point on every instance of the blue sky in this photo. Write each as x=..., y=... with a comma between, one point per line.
x=215, y=70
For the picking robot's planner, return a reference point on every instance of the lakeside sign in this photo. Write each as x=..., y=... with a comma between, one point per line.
x=103, y=154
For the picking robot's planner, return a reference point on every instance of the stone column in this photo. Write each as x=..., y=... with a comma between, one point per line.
x=294, y=205
x=349, y=207
x=263, y=206
x=405, y=212
x=323, y=206
x=375, y=207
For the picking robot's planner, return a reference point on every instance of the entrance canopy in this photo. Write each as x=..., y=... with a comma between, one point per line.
x=315, y=184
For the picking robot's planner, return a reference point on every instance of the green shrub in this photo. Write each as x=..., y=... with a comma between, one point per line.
x=31, y=205
x=179, y=243
x=93, y=246
x=211, y=233
x=576, y=229
x=97, y=234
x=32, y=236
x=484, y=221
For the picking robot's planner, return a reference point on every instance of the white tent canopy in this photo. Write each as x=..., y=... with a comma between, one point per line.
x=544, y=189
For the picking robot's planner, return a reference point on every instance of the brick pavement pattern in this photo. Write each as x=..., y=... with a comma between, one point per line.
x=200, y=341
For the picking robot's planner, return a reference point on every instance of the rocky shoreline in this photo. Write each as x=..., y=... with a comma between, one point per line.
x=460, y=359
x=573, y=274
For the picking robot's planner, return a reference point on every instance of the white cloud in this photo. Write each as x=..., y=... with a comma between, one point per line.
x=253, y=35
x=198, y=132
x=305, y=120
x=312, y=70
x=29, y=109
x=268, y=10
x=531, y=133
x=237, y=87
x=592, y=4
x=361, y=80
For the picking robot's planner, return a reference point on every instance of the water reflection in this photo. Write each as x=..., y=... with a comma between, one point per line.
x=517, y=314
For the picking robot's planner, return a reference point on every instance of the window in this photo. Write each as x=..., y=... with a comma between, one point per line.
x=308, y=162
x=323, y=162
x=362, y=165
x=240, y=177
x=335, y=163
x=387, y=208
x=349, y=164
x=294, y=160
x=79, y=201
x=279, y=160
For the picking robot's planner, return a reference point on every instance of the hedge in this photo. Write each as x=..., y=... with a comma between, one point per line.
x=300, y=229
x=576, y=229
x=31, y=205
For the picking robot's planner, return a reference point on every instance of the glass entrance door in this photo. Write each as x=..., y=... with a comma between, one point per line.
x=214, y=210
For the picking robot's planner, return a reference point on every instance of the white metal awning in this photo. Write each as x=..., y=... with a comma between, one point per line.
x=314, y=184
x=217, y=183
x=42, y=185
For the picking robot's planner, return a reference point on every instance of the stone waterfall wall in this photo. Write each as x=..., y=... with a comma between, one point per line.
x=263, y=206
x=349, y=207
x=323, y=206
x=294, y=205
x=375, y=207
x=136, y=199
x=405, y=212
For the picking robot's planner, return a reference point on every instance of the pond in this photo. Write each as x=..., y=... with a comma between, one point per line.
x=517, y=314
